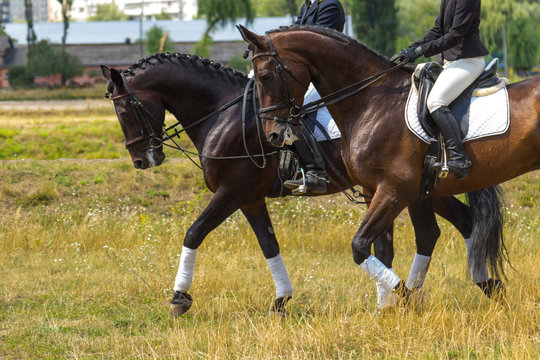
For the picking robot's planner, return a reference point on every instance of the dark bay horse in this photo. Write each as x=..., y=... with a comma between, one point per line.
x=379, y=151
x=191, y=88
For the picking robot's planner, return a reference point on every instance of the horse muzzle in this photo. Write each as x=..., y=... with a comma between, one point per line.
x=147, y=159
x=281, y=138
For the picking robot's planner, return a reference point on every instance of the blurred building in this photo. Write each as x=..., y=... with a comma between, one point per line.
x=81, y=10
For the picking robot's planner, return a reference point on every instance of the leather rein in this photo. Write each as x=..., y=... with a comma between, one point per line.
x=296, y=110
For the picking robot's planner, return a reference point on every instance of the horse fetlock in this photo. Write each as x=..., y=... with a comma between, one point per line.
x=278, y=307
x=493, y=289
x=180, y=303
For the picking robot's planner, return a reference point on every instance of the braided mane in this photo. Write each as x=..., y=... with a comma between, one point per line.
x=179, y=59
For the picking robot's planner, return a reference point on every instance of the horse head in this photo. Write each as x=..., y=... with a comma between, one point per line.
x=281, y=84
x=141, y=118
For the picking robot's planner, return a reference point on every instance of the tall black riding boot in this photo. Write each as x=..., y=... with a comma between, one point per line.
x=458, y=161
x=314, y=181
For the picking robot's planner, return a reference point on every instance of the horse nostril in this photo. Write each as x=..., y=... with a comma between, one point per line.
x=273, y=138
x=137, y=164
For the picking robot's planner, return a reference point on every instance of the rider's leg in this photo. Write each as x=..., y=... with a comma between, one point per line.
x=453, y=80
x=315, y=179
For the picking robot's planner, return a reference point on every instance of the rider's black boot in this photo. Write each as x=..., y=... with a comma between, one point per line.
x=314, y=180
x=458, y=161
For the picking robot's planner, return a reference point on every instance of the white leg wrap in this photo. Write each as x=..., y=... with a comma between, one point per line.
x=477, y=275
x=418, y=272
x=384, y=298
x=283, y=284
x=184, y=276
x=378, y=271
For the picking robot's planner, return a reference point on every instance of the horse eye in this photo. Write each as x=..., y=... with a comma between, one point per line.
x=265, y=77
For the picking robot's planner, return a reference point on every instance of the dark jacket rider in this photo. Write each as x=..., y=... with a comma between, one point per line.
x=326, y=13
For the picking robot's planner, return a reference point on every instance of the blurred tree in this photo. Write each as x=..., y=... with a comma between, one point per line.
x=49, y=61
x=268, y=8
x=375, y=23
x=220, y=13
x=415, y=18
x=30, y=34
x=157, y=41
x=108, y=12
x=66, y=9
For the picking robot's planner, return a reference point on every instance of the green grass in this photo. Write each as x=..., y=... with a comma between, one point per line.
x=89, y=249
x=64, y=93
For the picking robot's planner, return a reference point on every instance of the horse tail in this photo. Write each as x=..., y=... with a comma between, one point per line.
x=487, y=245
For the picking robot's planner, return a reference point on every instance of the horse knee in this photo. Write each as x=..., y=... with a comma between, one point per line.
x=193, y=238
x=361, y=250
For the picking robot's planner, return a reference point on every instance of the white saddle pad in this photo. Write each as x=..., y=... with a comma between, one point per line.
x=488, y=115
x=323, y=117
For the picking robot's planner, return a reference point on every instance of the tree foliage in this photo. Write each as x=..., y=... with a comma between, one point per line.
x=157, y=41
x=48, y=60
x=108, y=12
x=269, y=8
x=375, y=23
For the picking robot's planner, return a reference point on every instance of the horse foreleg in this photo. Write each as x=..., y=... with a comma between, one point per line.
x=382, y=211
x=220, y=207
x=257, y=216
x=383, y=249
x=426, y=233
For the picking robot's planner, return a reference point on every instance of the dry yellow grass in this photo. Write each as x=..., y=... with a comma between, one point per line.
x=89, y=251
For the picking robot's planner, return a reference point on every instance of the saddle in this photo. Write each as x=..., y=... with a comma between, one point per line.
x=424, y=78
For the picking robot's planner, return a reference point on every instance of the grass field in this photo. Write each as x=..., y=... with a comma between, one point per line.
x=89, y=248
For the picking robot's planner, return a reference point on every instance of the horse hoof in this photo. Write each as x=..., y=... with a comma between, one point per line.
x=180, y=303
x=493, y=289
x=278, y=307
x=403, y=292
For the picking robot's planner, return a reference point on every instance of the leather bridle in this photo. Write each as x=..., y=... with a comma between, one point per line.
x=289, y=101
x=143, y=117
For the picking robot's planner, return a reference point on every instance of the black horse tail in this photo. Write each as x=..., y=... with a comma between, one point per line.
x=487, y=245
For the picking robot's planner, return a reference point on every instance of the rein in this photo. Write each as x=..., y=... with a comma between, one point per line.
x=332, y=98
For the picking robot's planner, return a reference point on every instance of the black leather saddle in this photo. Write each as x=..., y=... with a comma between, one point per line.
x=424, y=81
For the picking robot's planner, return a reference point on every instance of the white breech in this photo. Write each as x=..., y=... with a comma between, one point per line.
x=453, y=80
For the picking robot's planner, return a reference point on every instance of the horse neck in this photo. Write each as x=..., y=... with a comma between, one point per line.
x=191, y=94
x=349, y=64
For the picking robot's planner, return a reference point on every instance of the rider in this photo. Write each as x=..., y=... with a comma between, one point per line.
x=327, y=13
x=456, y=36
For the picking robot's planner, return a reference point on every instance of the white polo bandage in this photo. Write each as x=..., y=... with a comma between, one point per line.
x=378, y=271
x=184, y=276
x=418, y=272
x=384, y=297
x=478, y=275
x=283, y=284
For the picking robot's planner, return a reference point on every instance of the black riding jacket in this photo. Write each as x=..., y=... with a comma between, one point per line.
x=327, y=13
x=456, y=32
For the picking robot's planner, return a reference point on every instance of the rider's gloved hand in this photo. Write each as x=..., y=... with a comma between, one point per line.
x=409, y=54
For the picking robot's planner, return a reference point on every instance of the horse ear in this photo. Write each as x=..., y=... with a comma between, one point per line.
x=250, y=37
x=113, y=75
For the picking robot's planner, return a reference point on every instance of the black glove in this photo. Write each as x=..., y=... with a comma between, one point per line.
x=411, y=54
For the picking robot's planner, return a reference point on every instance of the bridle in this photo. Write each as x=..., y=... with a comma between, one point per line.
x=289, y=101
x=143, y=117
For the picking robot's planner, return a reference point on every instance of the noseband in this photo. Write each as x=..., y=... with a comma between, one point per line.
x=288, y=97
x=143, y=116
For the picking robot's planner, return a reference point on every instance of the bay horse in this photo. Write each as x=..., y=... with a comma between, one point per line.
x=202, y=96
x=379, y=151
